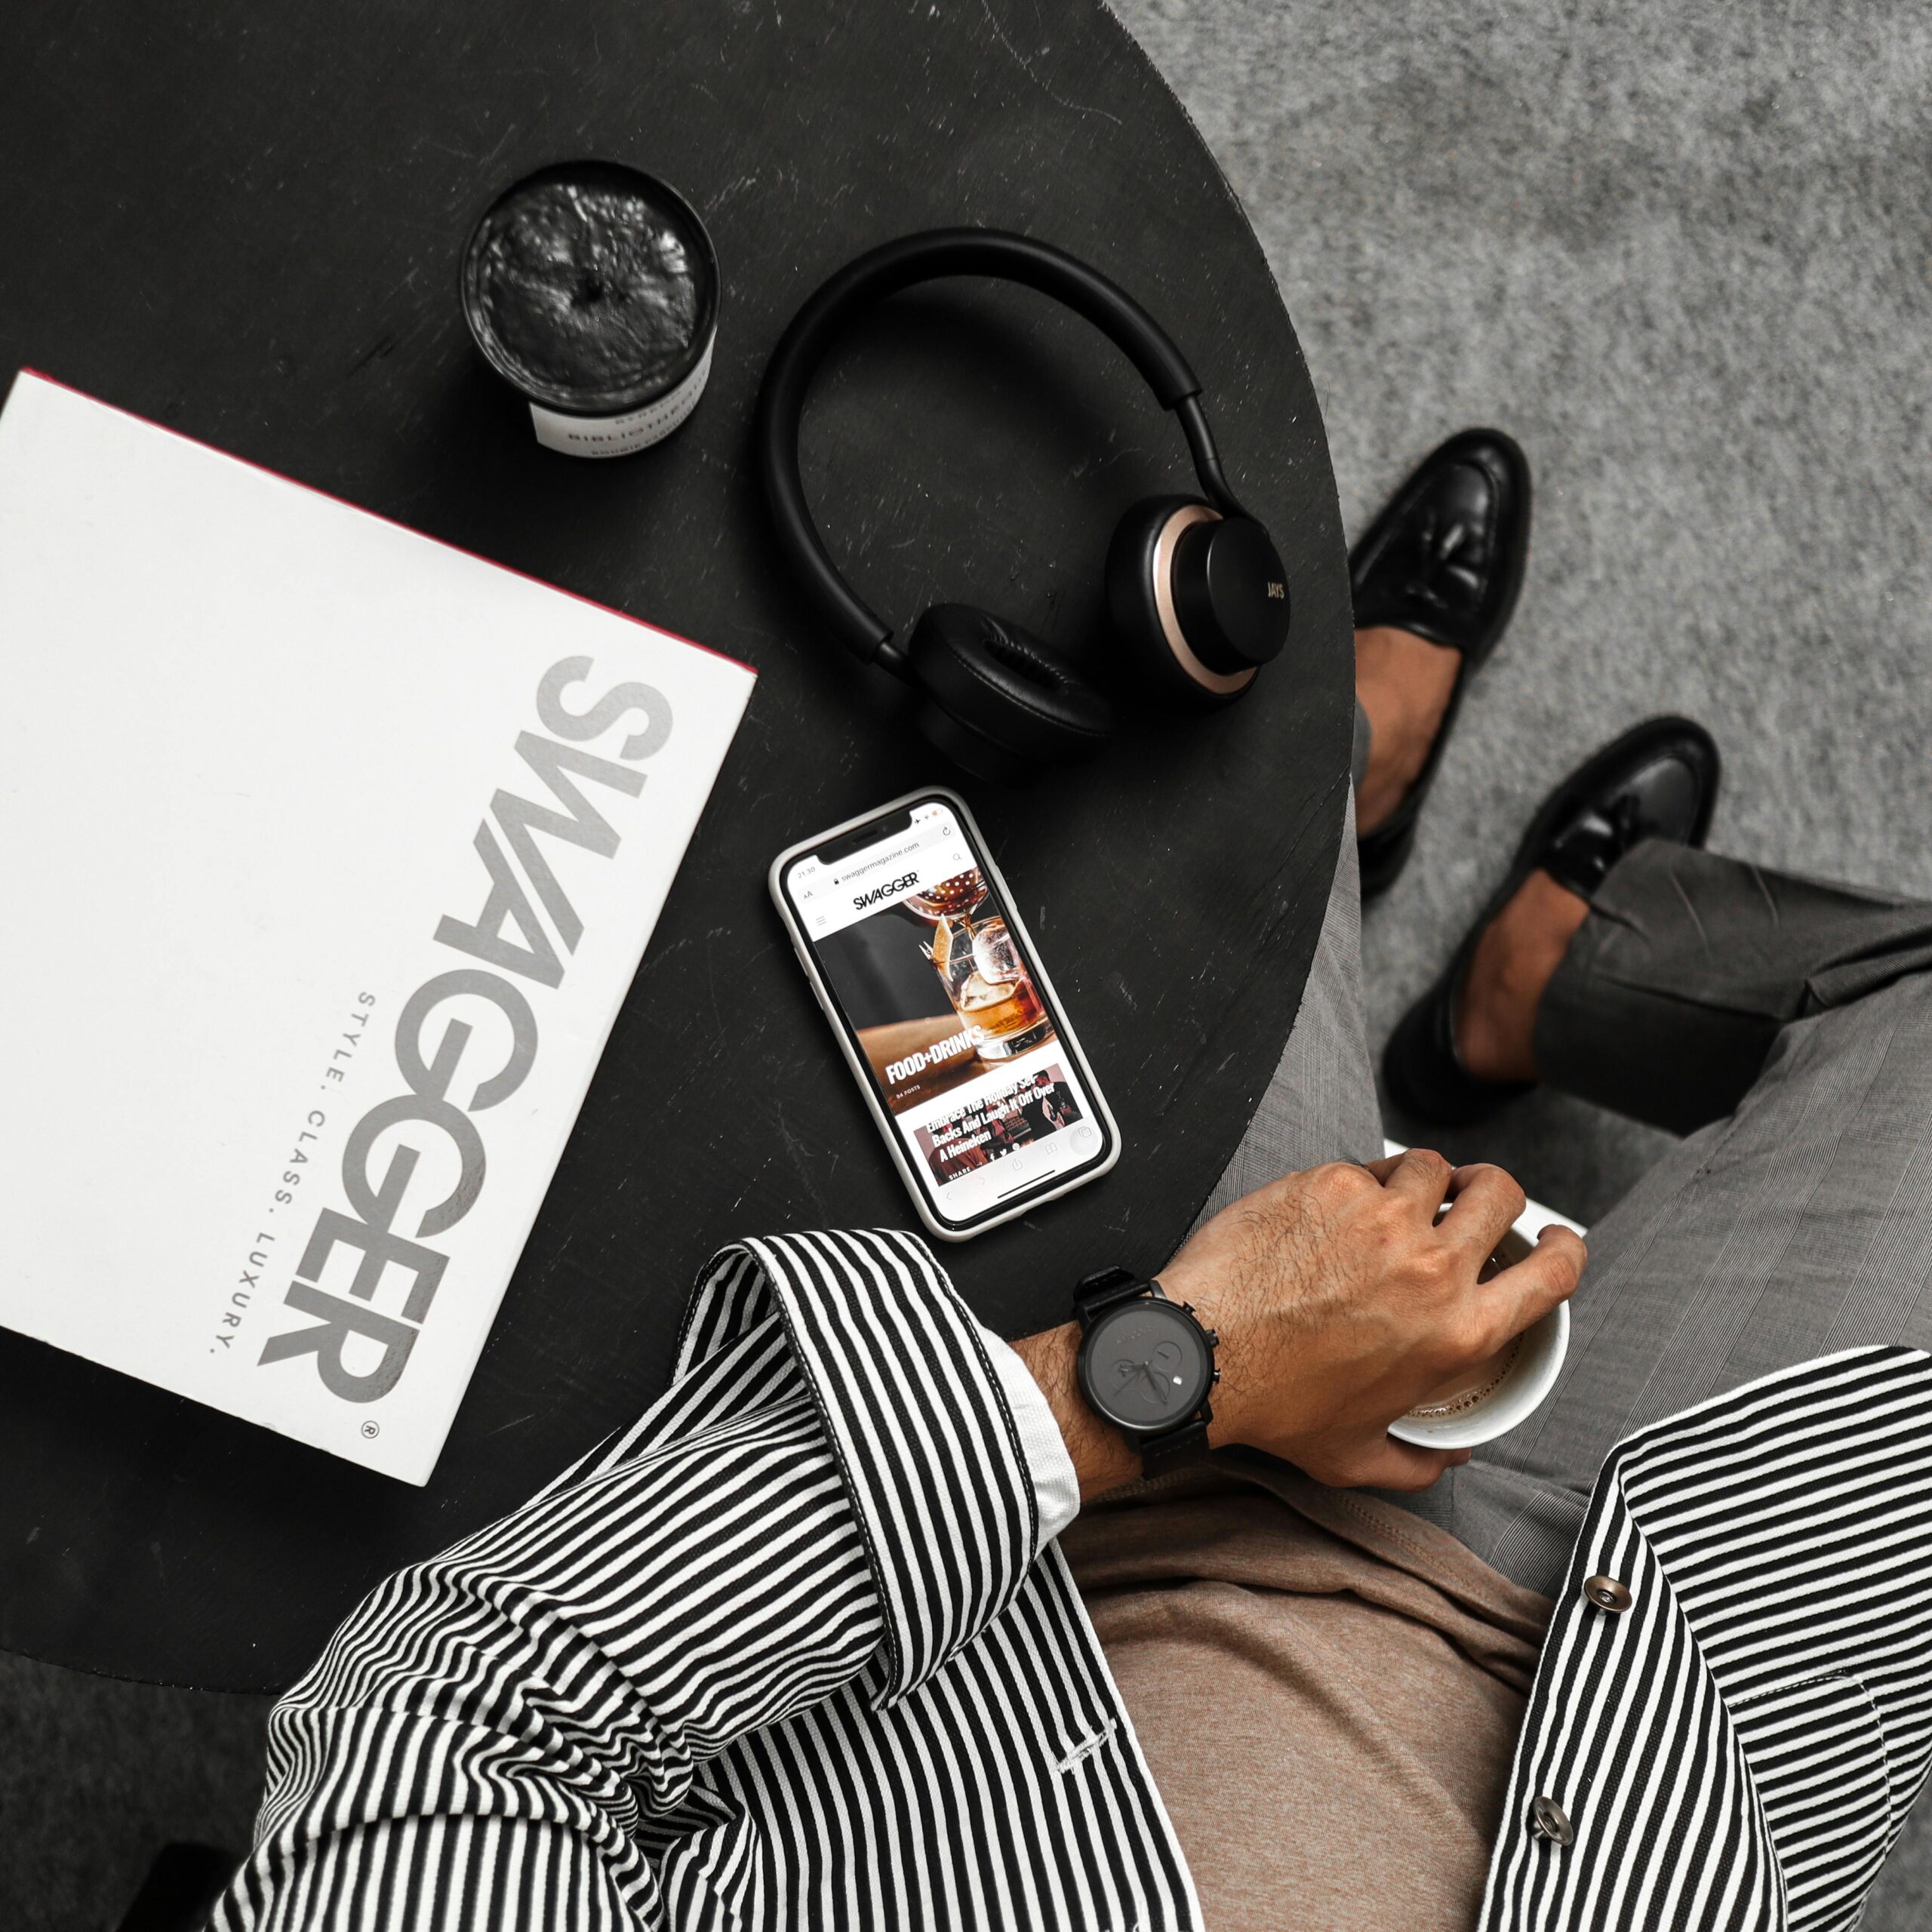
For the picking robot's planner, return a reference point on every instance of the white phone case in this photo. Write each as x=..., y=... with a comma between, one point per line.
x=1063, y=1028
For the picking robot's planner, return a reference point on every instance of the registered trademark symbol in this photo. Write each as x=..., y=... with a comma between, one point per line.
x=372, y=1429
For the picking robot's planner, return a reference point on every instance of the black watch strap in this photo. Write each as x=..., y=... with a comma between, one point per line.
x=1175, y=1448
x=1096, y=1293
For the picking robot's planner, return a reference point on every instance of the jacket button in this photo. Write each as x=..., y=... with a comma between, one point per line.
x=1548, y=1820
x=1606, y=1593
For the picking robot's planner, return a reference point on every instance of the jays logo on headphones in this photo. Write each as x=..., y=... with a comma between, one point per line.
x=1197, y=595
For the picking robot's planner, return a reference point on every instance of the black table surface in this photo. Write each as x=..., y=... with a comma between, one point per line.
x=243, y=218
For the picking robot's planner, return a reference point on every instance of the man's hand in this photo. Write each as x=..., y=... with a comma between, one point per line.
x=1342, y=1302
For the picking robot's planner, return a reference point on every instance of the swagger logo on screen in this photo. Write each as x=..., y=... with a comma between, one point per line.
x=358, y=1349
x=881, y=893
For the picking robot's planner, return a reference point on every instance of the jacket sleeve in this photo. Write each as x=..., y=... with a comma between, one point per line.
x=512, y=1733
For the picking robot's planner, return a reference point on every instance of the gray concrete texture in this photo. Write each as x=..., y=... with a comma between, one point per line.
x=1681, y=251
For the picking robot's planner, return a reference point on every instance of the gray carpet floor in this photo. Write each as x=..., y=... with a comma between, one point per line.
x=1679, y=248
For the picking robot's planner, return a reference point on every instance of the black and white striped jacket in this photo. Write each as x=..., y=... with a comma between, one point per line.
x=790, y=1653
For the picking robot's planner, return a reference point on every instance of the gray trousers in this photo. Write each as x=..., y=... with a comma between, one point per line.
x=1790, y=1024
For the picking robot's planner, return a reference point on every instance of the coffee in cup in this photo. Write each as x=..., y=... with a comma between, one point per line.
x=1489, y=1400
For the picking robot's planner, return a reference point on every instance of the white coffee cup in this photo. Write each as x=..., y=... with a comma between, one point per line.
x=1512, y=1387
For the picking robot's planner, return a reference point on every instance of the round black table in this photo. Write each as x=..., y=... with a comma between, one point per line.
x=244, y=218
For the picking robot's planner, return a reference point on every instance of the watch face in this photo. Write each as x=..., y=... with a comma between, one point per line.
x=1146, y=1365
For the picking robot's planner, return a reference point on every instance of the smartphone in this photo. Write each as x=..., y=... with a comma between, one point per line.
x=944, y=1012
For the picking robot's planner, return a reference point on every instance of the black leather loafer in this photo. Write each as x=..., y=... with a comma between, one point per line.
x=1444, y=561
x=1659, y=780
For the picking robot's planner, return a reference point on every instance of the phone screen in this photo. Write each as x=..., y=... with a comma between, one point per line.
x=932, y=980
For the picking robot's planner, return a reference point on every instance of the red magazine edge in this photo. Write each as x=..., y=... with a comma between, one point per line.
x=329, y=496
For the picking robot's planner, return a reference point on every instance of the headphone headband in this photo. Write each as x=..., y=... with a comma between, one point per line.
x=885, y=270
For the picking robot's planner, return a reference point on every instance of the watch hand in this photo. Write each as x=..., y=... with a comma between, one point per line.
x=1159, y=1387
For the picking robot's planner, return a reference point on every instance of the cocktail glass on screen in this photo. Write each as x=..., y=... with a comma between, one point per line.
x=981, y=969
x=996, y=998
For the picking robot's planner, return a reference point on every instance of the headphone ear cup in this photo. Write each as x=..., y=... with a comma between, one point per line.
x=1141, y=602
x=997, y=701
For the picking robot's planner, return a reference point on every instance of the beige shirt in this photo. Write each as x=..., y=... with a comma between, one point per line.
x=1326, y=1688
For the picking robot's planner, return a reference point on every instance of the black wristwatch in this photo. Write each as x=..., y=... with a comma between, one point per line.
x=1145, y=1365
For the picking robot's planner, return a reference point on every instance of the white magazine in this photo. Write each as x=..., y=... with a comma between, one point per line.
x=327, y=853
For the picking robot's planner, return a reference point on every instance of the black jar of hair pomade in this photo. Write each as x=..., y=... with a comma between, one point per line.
x=591, y=289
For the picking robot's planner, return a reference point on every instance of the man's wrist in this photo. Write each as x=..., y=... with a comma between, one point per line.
x=1211, y=1307
x=1102, y=1457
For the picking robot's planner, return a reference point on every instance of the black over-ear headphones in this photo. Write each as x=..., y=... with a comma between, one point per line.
x=1196, y=590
